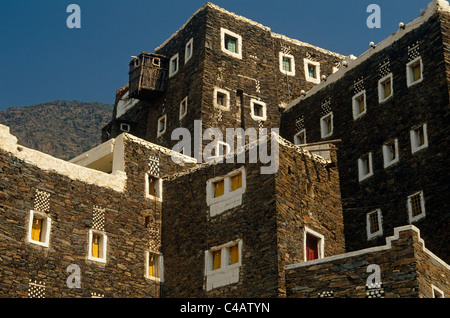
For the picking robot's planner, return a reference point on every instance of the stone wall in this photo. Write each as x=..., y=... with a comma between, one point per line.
x=403, y=273
x=425, y=102
x=75, y=204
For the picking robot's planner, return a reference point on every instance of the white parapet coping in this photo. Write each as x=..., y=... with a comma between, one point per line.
x=352, y=61
x=375, y=249
x=115, y=181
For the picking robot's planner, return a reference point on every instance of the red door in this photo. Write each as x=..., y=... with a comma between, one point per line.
x=312, y=249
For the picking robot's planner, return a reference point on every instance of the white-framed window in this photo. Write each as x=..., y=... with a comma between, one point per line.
x=124, y=127
x=414, y=72
x=154, y=266
x=258, y=110
x=231, y=43
x=374, y=224
x=312, y=71
x=326, y=125
x=39, y=225
x=416, y=206
x=221, y=99
x=419, y=138
x=365, y=168
x=359, y=104
x=97, y=246
x=183, y=108
x=174, y=65
x=188, y=50
x=313, y=245
x=385, y=88
x=300, y=137
x=390, y=153
x=222, y=264
x=287, y=64
x=153, y=187
x=225, y=192
x=162, y=125
x=437, y=293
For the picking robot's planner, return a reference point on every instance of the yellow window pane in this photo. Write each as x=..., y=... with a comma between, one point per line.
x=387, y=89
x=36, y=229
x=217, y=259
x=236, y=182
x=362, y=106
x=234, y=254
x=219, y=188
x=150, y=269
x=416, y=72
x=95, y=246
x=151, y=186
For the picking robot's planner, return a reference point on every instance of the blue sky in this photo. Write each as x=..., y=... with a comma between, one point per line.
x=42, y=60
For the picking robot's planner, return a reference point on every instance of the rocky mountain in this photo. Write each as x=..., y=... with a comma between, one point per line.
x=63, y=129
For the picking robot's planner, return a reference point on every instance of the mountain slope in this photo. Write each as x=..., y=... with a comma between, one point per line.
x=63, y=129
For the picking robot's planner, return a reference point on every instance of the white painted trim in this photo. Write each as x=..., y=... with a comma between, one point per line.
x=229, y=199
x=323, y=126
x=433, y=289
x=181, y=114
x=46, y=228
x=159, y=189
x=409, y=207
x=160, y=133
x=223, y=33
x=381, y=97
x=127, y=129
x=177, y=59
x=227, y=102
x=388, y=246
x=160, y=260
x=371, y=235
x=226, y=274
x=301, y=132
x=362, y=176
x=187, y=56
x=103, y=242
x=315, y=80
x=252, y=111
x=321, y=243
x=292, y=64
x=386, y=162
x=355, y=105
x=125, y=104
x=409, y=74
x=413, y=138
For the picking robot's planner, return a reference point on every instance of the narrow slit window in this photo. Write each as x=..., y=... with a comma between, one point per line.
x=97, y=246
x=419, y=138
x=416, y=206
x=326, y=125
x=217, y=259
x=365, y=166
x=312, y=247
x=95, y=249
x=39, y=229
x=414, y=71
x=162, y=123
x=390, y=153
x=385, y=88
x=359, y=104
x=36, y=229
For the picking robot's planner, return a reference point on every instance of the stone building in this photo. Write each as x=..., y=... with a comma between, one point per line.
x=134, y=217
x=389, y=107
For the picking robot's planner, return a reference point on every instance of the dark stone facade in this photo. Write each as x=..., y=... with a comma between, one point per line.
x=426, y=102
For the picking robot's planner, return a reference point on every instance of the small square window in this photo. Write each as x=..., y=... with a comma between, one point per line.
x=385, y=88
x=162, y=121
x=124, y=127
x=312, y=71
x=287, y=64
x=97, y=246
x=183, y=108
x=154, y=266
x=390, y=153
x=188, y=50
x=258, y=110
x=365, y=166
x=300, y=137
x=416, y=206
x=231, y=43
x=414, y=72
x=359, y=104
x=419, y=138
x=39, y=229
x=153, y=187
x=326, y=125
x=219, y=188
x=221, y=99
x=374, y=224
x=173, y=65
